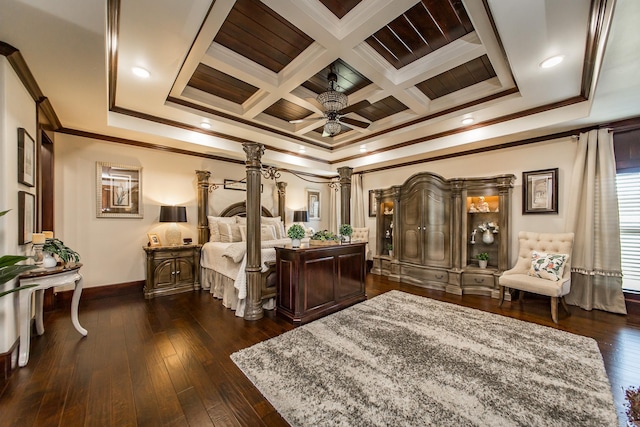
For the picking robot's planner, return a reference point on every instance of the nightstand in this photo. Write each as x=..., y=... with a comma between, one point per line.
x=172, y=269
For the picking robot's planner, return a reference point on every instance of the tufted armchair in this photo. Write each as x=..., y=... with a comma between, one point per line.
x=549, y=275
x=361, y=234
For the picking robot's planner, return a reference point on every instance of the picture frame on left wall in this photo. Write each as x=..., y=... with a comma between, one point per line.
x=26, y=158
x=118, y=191
x=26, y=217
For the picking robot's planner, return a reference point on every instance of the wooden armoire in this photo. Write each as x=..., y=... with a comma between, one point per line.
x=437, y=226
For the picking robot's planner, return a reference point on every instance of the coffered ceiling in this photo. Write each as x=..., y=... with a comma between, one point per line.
x=252, y=69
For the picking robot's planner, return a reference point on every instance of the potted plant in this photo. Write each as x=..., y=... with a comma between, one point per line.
x=633, y=405
x=57, y=247
x=483, y=259
x=296, y=233
x=390, y=249
x=346, y=231
x=10, y=270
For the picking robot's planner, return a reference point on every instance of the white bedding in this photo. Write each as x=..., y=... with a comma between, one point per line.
x=229, y=259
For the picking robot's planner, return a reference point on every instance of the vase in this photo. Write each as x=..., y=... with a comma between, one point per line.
x=48, y=260
x=482, y=263
x=295, y=243
x=487, y=237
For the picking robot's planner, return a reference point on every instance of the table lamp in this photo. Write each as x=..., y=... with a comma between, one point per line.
x=300, y=216
x=173, y=214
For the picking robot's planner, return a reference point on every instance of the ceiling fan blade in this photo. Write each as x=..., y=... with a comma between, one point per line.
x=354, y=122
x=312, y=119
x=355, y=107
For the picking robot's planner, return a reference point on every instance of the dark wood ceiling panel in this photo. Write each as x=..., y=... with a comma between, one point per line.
x=340, y=7
x=217, y=83
x=423, y=28
x=286, y=110
x=349, y=79
x=457, y=78
x=381, y=109
x=258, y=33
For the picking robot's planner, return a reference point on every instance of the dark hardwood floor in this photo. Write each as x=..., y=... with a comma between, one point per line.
x=165, y=361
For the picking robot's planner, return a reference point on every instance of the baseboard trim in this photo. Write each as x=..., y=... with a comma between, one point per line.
x=99, y=292
x=6, y=367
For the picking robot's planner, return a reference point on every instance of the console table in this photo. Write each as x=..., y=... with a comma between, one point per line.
x=313, y=281
x=45, y=278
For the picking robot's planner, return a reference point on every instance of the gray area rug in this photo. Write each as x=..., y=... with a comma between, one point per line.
x=405, y=360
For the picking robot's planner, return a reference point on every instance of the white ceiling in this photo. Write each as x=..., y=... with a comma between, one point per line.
x=65, y=45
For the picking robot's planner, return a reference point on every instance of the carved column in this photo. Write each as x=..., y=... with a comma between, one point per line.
x=282, y=195
x=254, y=153
x=345, y=173
x=203, y=204
x=458, y=206
x=504, y=184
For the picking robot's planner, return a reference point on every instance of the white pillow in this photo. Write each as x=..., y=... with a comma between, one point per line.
x=547, y=266
x=214, y=233
x=279, y=225
x=229, y=233
x=267, y=232
x=241, y=220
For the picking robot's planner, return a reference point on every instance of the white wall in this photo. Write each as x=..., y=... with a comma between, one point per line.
x=111, y=248
x=558, y=153
x=17, y=109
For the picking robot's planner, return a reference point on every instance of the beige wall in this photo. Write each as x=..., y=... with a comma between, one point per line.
x=543, y=155
x=111, y=248
x=17, y=109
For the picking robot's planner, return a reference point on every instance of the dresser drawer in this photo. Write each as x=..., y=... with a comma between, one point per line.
x=474, y=279
x=426, y=274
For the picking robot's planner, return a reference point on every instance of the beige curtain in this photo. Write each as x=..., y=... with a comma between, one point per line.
x=357, y=201
x=334, y=207
x=596, y=279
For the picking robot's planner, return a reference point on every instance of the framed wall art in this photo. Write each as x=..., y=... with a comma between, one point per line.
x=26, y=158
x=540, y=191
x=372, y=203
x=313, y=204
x=154, y=239
x=118, y=191
x=26, y=217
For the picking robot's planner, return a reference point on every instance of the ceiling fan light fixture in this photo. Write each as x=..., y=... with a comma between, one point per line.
x=332, y=127
x=332, y=100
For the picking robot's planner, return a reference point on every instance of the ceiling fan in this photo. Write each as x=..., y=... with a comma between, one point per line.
x=335, y=106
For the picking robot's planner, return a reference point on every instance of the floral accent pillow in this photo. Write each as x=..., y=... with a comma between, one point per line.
x=547, y=266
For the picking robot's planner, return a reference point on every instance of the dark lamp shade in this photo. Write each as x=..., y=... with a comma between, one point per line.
x=300, y=216
x=173, y=214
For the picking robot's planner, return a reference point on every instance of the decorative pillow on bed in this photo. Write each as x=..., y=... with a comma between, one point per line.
x=241, y=220
x=547, y=266
x=214, y=232
x=279, y=226
x=229, y=233
x=267, y=232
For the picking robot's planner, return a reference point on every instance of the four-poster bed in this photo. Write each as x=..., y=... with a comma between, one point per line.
x=223, y=263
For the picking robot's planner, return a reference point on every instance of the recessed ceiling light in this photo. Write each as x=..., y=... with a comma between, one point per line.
x=467, y=121
x=301, y=149
x=551, y=62
x=205, y=125
x=363, y=148
x=141, y=72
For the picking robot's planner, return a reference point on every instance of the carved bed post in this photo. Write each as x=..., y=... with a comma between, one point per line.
x=282, y=195
x=203, y=205
x=345, y=173
x=253, y=310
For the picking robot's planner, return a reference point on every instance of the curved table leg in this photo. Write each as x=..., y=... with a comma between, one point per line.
x=39, y=316
x=25, y=326
x=75, y=301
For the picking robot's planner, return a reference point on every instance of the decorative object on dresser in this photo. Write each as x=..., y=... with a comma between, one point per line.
x=67, y=256
x=324, y=238
x=154, y=239
x=173, y=215
x=543, y=267
x=345, y=232
x=405, y=360
x=296, y=233
x=438, y=226
x=171, y=269
x=315, y=281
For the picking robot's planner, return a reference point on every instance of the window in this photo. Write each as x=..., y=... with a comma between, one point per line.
x=629, y=205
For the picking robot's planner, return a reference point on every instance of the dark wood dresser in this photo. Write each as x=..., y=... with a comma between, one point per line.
x=171, y=269
x=314, y=281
